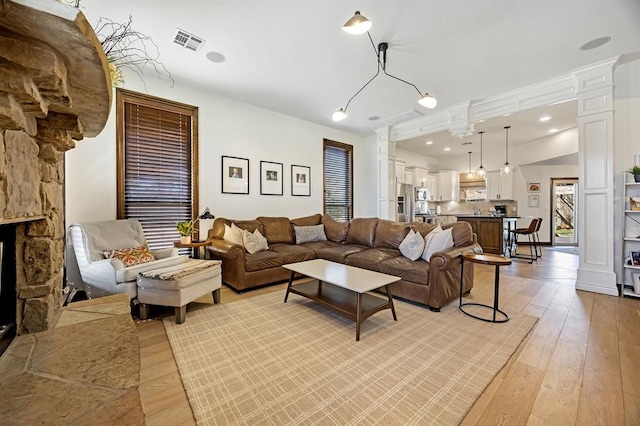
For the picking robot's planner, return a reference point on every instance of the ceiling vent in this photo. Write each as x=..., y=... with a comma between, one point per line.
x=188, y=41
x=409, y=115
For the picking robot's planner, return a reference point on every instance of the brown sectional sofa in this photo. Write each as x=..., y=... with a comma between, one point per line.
x=369, y=243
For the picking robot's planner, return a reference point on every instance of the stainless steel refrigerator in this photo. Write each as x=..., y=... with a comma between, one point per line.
x=406, y=203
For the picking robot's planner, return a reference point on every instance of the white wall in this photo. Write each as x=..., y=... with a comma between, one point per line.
x=368, y=190
x=626, y=142
x=226, y=127
x=412, y=159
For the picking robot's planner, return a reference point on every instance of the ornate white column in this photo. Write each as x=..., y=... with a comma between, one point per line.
x=386, y=173
x=596, y=174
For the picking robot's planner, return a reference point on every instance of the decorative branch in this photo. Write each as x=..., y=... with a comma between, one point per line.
x=128, y=48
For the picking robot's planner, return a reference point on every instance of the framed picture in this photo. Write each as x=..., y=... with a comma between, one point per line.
x=635, y=258
x=271, y=179
x=235, y=175
x=534, y=201
x=301, y=181
x=533, y=186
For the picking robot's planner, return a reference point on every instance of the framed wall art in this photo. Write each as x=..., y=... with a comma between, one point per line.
x=301, y=181
x=235, y=175
x=271, y=179
x=533, y=186
x=534, y=201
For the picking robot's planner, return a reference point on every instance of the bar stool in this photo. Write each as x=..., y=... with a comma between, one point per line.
x=536, y=238
x=528, y=231
x=485, y=259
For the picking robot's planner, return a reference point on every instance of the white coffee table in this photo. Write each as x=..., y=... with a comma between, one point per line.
x=347, y=292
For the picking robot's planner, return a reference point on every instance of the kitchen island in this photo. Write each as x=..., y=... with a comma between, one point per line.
x=492, y=231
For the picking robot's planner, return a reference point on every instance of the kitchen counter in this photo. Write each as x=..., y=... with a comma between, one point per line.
x=492, y=231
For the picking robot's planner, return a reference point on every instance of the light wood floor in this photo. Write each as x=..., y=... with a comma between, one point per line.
x=580, y=365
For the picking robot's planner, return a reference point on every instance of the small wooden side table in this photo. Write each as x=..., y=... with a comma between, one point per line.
x=485, y=259
x=195, y=245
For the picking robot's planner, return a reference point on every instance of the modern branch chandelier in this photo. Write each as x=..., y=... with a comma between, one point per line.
x=359, y=24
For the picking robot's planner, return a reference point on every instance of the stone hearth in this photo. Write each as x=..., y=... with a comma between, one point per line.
x=54, y=88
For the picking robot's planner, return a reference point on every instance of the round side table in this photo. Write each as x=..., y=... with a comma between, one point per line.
x=485, y=259
x=194, y=245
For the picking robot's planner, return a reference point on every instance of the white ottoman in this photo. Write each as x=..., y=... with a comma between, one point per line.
x=178, y=285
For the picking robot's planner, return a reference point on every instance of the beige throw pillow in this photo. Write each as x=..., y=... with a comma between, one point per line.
x=440, y=241
x=255, y=242
x=412, y=246
x=233, y=234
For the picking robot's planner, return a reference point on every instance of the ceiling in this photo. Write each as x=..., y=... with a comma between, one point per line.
x=525, y=127
x=292, y=56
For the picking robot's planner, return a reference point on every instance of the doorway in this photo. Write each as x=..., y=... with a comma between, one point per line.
x=564, y=211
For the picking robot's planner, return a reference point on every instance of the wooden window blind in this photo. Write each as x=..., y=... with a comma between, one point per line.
x=157, y=164
x=338, y=180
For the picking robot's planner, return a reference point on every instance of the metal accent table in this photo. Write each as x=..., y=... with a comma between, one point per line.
x=485, y=259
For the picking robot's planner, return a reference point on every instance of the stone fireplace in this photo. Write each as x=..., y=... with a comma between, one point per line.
x=54, y=88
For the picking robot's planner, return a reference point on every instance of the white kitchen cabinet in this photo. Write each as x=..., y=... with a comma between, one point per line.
x=400, y=168
x=420, y=177
x=499, y=187
x=448, y=186
x=409, y=175
x=432, y=187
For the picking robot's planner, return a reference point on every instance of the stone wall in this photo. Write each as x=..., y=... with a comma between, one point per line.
x=50, y=95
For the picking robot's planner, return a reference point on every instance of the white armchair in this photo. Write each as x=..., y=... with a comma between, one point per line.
x=87, y=268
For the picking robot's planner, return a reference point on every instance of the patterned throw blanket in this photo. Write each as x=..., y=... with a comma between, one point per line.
x=185, y=269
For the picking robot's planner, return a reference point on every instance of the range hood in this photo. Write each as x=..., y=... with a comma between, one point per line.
x=474, y=181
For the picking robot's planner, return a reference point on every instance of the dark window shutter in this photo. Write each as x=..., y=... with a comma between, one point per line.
x=338, y=180
x=157, y=184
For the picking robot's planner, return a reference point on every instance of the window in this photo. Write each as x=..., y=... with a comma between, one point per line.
x=157, y=164
x=338, y=180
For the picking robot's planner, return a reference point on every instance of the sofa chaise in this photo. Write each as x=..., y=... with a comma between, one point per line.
x=368, y=243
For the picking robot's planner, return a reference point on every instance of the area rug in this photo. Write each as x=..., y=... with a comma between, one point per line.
x=262, y=361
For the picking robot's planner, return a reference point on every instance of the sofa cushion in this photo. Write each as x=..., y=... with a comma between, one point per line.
x=263, y=260
x=308, y=220
x=338, y=253
x=414, y=271
x=306, y=234
x=293, y=253
x=422, y=227
x=461, y=232
x=362, y=231
x=412, y=246
x=335, y=231
x=390, y=234
x=277, y=229
x=317, y=245
x=371, y=259
x=254, y=242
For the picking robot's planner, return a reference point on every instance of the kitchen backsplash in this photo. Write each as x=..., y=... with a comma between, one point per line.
x=485, y=207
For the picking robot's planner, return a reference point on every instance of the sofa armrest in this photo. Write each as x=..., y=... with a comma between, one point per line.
x=444, y=274
x=165, y=252
x=233, y=261
x=101, y=272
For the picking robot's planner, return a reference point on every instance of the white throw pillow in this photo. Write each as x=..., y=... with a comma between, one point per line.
x=427, y=240
x=439, y=242
x=412, y=246
x=255, y=242
x=233, y=234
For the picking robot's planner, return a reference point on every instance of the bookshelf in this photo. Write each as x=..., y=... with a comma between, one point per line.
x=631, y=241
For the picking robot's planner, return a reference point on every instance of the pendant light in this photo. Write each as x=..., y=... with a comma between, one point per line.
x=506, y=168
x=470, y=174
x=481, y=170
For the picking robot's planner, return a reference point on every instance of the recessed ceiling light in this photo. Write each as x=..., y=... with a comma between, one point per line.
x=429, y=142
x=545, y=118
x=480, y=121
x=596, y=42
x=553, y=130
x=447, y=149
x=374, y=118
x=216, y=57
x=506, y=115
